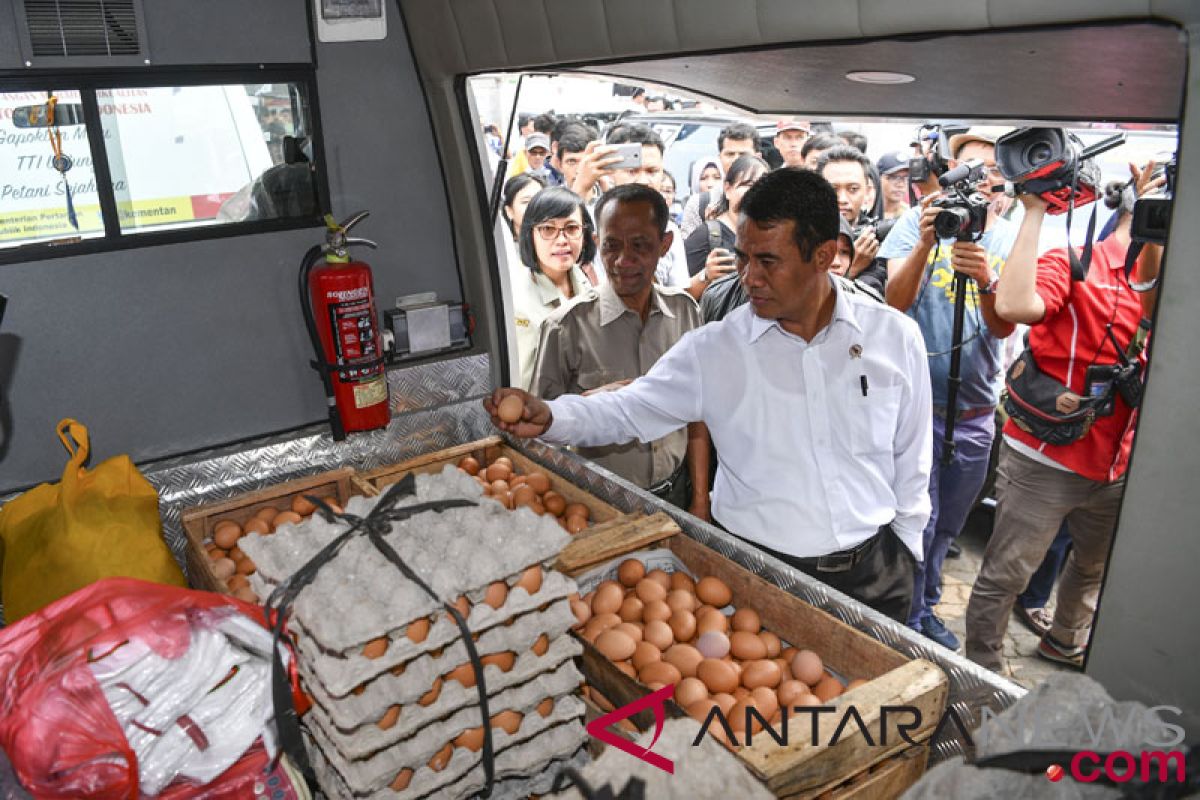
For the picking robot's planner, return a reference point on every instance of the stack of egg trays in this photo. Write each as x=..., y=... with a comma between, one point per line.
x=354, y=601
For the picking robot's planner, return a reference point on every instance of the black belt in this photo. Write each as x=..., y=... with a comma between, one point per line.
x=842, y=560
x=663, y=489
x=964, y=413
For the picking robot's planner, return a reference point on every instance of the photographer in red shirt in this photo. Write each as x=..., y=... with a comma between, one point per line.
x=1079, y=331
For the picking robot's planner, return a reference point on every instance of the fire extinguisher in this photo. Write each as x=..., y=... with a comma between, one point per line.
x=338, y=301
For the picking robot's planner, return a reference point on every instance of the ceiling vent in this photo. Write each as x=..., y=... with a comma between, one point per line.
x=83, y=32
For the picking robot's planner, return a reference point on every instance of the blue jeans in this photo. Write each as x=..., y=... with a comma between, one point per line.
x=953, y=488
x=1037, y=593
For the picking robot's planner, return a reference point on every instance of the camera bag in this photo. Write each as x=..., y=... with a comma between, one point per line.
x=1045, y=408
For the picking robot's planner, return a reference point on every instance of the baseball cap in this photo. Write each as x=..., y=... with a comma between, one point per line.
x=792, y=125
x=988, y=134
x=537, y=140
x=891, y=162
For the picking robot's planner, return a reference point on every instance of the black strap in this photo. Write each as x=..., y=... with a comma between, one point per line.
x=1079, y=267
x=374, y=526
x=325, y=367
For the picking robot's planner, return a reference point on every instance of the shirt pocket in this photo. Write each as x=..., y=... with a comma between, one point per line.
x=873, y=419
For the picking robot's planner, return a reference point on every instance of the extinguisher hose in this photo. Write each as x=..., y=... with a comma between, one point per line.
x=306, y=266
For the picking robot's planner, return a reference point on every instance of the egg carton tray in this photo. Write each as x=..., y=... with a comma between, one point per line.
x=341, y=674
x=456, y=551
x=366, y=775
x=414, y=718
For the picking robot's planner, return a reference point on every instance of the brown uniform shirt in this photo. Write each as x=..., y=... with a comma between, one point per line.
x=596, y=340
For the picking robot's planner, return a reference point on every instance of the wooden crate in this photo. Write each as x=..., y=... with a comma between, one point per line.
x=802, y=769
x=198, y=522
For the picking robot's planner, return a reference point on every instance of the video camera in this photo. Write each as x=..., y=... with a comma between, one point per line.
x=934, y=141
x=1152, y=214
x=1053, y=164
x=962, y=211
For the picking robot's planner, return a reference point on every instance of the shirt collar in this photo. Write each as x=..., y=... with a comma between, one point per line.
x=612, y=307
x=843, y=311
x=548, y=293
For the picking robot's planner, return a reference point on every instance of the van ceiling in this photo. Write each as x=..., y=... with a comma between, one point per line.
x=1132, y=72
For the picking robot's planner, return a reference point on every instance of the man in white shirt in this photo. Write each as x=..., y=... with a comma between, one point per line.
x=817, y=399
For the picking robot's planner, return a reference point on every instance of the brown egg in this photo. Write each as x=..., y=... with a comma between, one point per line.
x=554, y=503
x=718, y=675
x=469, y=465
x=462, y=605
x=662, y=672
x=807, y=667
x=700, y=709
x=224, y=568
x=246, y=595
x=809, y=699
x=575, y=525
x=524, y=496
x=545, y=707
x=497, y=472
x=505, y=460
x=713, y=591
x=541, y=645
x=577, y=510
x=401, y=781
x=738, y=715
x=302, y=505
x=441, y=758
x=857, y=682
x=683, y=625
x=761, y=673
x=389, y=717
x=711, y=620
x=464, y=674
x=766, y=700
x=685, y=657
x=746, y=646
x=644, y=654
x=226, y=534
x=656, y=610
x=509, y=721
x=658, y=633
x=661, y=577
x=510, y=408
x=598, y=624
x=607, y=598
x=238, y=581
x=417, y=630
x=681, y=581
x=498, y=488
x=828, y=688
x=725, y=701
x=246, y=566
x=236, y=554
x=539, y=482
x=215, y=553
x=504, y=660
x=789, y=653
x=495, y=594
x=785, y=669
x=771, y=642
x=790, y=691
x=517, y=480
x=689, y=691
x=681, y=600
x=581, y=611
x=630, y=629
x=257, y=526
x=745, y=619
x=470, y=739
x=631, y=609
x=630, y=571
x=615, y=645
x=434, y=691
x=627, y=667
x=649, y=590
x=531, y=579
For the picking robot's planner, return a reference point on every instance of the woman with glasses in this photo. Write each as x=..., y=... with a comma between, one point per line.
x=554, y=242
x=709, y=248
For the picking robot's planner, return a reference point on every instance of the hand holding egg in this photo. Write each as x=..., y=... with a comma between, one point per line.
x=518, y=412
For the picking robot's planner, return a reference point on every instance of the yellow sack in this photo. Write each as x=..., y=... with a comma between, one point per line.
x=59, y=537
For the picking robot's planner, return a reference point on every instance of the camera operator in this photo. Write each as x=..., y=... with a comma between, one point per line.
x=849, y=172
x=921, y=283
x=1039, y=484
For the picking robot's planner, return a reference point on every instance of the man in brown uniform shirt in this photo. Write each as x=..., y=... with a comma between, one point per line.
x=614, y=334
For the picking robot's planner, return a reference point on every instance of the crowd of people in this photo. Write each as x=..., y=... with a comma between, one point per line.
x=778, y=360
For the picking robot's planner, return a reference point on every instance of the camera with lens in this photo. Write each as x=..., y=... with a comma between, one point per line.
x=934, y=141
x=962, y=211
x=881, y=226
x=1152, y=214
x=1053, y=164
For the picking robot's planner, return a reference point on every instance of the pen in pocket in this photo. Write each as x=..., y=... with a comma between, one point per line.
x=862, y=381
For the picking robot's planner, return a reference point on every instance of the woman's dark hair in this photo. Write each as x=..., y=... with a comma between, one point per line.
x=554, y=203
x=744, y=165
x=800, y=196
x=513, y=187
x=1120, y=196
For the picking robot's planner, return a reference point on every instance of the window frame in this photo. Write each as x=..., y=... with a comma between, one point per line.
x=87, y=84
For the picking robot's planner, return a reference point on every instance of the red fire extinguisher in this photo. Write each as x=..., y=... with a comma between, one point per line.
x=338, y=300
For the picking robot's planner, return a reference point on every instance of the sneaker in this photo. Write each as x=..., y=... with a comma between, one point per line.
x=1037, y=620
x=935, y=629
x=1052, y=650
x=954, y=550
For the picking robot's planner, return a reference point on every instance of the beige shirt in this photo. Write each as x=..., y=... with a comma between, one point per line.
x=598, y=340
x=534, y=299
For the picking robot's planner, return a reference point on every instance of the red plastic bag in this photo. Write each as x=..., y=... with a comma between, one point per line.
x=56, y=725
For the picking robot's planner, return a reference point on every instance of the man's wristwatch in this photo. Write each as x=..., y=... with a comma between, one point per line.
x=991, y=284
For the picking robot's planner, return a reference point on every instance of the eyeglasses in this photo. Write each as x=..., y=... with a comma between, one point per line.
x=549, y=233
x=896, y=177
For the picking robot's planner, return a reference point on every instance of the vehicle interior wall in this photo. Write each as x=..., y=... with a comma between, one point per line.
x=1146, y=641
x=168, y=349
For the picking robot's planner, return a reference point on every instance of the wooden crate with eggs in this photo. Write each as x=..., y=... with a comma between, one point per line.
x=687, y=616
x=215, y=561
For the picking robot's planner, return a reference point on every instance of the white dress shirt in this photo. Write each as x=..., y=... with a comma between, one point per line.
x=808, y=464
